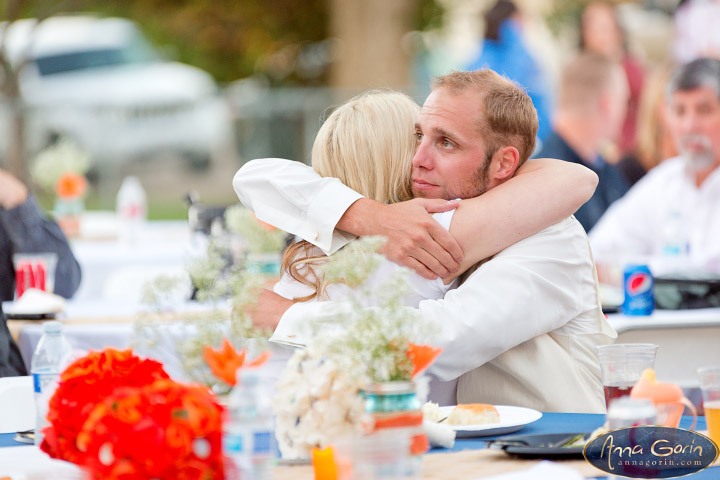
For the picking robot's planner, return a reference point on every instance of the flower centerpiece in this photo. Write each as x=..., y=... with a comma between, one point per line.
x=120, y=416
x=60, y=169
x=205, y=347
x=321, y=394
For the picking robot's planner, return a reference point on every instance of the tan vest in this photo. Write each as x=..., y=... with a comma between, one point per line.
x=550, y=373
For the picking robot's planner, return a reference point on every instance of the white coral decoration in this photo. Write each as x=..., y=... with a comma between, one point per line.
x=315, y=403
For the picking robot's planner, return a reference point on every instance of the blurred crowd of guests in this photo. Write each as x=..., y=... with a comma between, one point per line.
x=650, y=132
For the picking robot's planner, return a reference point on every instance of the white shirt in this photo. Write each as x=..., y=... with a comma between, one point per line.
x=636, y=227
x=543, y=284
x=291, y=328
x=292, y=197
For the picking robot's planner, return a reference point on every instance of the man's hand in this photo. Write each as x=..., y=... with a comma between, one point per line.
x=269, y=309
x=12, y=191
x=415, y=239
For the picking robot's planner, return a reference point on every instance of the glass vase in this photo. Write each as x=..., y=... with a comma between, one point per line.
x=396, y=409
x=67, y=213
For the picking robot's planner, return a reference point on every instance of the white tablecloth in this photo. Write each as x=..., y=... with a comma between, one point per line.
x=112, y=269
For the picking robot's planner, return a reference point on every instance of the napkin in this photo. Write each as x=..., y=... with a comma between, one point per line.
x=439, y=434
x=36, y=301
x=17, y=406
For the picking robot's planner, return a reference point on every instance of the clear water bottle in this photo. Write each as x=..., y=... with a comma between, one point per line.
x=51, y=356
x=131, y=209
x=249, y=433
x=675, y=245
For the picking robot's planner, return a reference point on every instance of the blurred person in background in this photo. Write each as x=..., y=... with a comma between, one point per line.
x=601, y=32
x=24, y=229
x=696, y=30
x=589, y=112
x=677, y=203
x=653, y=141
x=504, y=51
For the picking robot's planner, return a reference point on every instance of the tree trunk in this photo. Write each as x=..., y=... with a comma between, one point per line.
x=369, y=52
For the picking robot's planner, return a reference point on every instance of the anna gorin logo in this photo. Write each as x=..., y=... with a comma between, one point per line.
x=651, y=452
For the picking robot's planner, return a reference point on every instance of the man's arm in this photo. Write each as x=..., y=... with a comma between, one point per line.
x=531, y=288
x=323, y=211
x=30, y=232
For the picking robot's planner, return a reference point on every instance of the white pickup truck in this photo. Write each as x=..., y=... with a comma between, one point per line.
x=99, y=82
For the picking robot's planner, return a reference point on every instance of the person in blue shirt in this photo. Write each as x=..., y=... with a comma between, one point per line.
x=504, y=51
x=591, y=107
x=24, y=229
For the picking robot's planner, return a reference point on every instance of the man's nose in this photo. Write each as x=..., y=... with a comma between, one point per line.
x=422, y=157
x=688, y=123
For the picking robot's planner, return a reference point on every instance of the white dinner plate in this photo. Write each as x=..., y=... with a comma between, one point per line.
x=512, y=419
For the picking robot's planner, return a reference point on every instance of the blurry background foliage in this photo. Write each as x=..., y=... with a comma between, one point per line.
x=231, y=39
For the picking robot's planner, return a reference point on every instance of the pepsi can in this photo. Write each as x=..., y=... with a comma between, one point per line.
x=639, y=284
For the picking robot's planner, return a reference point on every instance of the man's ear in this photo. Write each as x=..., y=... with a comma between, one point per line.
x=505, y=162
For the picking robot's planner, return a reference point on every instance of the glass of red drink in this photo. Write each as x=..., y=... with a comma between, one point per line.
x=622, y=365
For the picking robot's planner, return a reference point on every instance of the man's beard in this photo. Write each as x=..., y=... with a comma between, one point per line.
x=697, y=160
x=476, y=186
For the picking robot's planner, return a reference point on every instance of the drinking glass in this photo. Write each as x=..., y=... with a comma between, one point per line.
x=622, y=365
x=710, y=385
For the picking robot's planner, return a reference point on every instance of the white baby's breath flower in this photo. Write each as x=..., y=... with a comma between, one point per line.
x=259, y=237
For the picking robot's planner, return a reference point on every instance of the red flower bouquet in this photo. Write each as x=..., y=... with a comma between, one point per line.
x=165, y=430
x=122, y=417
x=84, y=384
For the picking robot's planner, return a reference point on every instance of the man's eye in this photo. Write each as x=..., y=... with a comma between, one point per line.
x=447, y=144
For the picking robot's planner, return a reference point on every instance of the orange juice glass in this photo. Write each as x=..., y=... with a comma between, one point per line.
x=710, y=384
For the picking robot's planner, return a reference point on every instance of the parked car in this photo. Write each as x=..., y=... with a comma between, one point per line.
x=100, y=82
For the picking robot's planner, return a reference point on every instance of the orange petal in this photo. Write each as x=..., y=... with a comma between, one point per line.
x=225, y=361
x=70, y=185
x=260, y=359
x=422, y=356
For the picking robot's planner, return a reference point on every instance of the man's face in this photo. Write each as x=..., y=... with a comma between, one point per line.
x=695, y=123
x=450, y=156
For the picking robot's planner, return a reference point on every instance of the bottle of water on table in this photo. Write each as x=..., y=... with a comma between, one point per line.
x=51, y=356
x=249, y=433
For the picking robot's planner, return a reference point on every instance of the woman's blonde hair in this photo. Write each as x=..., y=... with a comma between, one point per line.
x=653, y=142
x=368, y=143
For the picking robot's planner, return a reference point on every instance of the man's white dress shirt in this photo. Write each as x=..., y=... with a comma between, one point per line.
x=636, y=227
x=520, y=330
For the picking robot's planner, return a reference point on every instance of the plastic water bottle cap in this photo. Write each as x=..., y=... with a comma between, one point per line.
x=52, y=326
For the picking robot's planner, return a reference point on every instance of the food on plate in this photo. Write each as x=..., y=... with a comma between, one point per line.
x=473, y=414
x=463, y=414
x=432, y=413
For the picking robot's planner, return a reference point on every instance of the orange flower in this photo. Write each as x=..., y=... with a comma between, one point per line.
x=422, y=356
x=225, y=361
x=70, y=185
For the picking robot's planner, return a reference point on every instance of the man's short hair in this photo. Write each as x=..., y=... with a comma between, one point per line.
x=702, y=72
x=584, y=79
x=508, y=115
